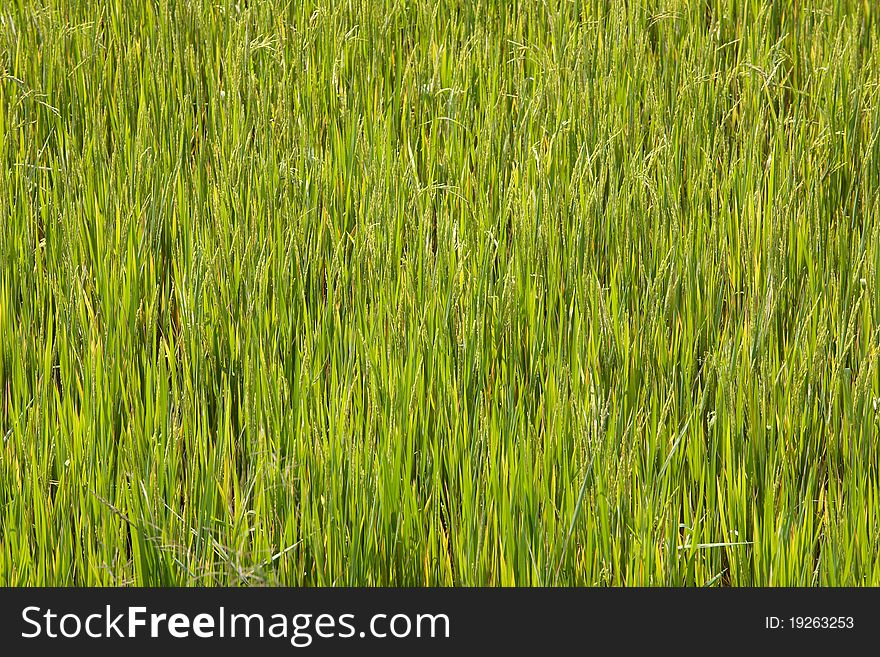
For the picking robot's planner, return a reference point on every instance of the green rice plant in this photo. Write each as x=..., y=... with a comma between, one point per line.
x=389, y=292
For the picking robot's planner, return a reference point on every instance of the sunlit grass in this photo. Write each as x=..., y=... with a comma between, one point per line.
x=435, y=292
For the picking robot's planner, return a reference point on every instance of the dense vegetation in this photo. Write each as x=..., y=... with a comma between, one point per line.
x=439, y=292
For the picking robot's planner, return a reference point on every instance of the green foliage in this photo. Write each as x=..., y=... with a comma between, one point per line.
x=439, y=292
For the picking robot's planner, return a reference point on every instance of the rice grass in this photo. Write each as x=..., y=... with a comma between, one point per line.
x=439, y=292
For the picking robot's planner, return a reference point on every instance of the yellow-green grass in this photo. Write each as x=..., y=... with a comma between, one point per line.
x=439, y=293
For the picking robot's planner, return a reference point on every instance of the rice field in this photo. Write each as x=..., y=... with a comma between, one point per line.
x=386, y=292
